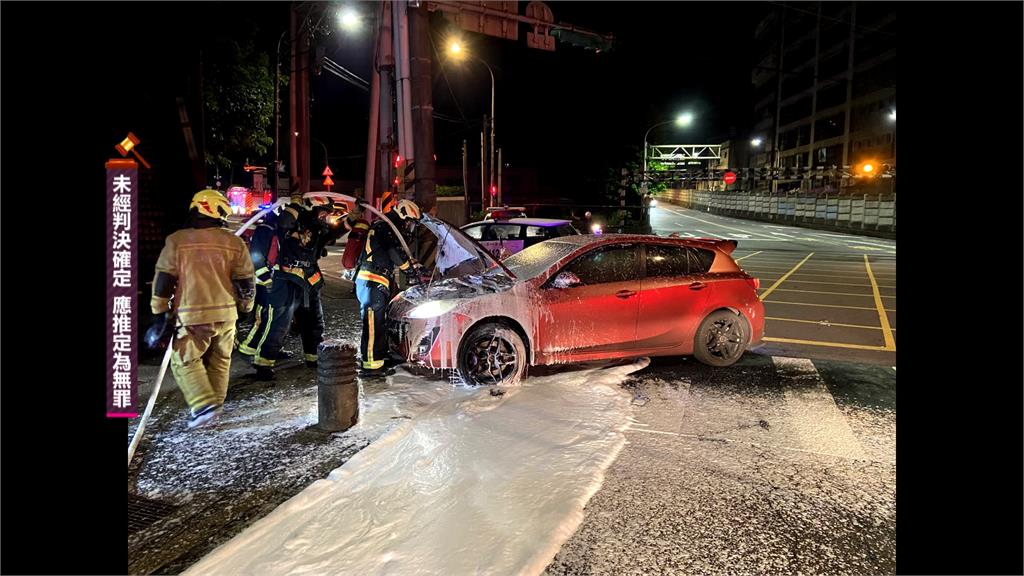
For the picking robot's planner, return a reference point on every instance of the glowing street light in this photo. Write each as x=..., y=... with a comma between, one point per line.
x=755, y=142
x=349, y=19
x=458, y=52
x=683, y=120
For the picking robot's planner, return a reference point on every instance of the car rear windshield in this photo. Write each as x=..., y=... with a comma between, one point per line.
x=534, y=260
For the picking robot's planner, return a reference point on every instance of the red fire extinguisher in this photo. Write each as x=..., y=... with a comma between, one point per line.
x=356, y=243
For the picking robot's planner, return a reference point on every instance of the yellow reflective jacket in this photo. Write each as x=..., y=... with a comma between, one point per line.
x=210, y=273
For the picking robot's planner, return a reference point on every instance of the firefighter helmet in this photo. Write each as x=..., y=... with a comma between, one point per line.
x=407, y=209
x=211, y=203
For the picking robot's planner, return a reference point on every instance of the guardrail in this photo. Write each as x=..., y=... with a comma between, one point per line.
x=864, y=213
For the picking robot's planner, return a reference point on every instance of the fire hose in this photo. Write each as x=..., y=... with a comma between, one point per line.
x=167, y=354
x=170, y=346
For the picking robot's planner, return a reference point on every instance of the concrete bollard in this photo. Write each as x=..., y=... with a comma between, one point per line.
x=337, y=387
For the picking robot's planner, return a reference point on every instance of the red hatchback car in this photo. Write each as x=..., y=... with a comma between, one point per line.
x=581, y=298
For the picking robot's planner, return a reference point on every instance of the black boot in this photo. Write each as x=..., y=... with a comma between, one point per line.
x=378, y=373
x=284, y=355
x=264, y=373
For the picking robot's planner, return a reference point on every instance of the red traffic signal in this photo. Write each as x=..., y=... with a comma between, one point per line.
x=494, y=190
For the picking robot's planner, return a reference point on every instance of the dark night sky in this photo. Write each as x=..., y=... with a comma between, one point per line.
x=573, y=112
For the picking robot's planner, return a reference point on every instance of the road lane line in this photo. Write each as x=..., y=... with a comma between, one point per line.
x=883, y=318
x=824, y=305
x=783, y=279
x=832, y=293
x=824, y=323
x=826, y=344
x=836, y=283
x=749, y=255
x=843, y=276
x=820, y=425
x=720, y=225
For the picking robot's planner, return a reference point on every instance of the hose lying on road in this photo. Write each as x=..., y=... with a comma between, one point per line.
x=167, y=355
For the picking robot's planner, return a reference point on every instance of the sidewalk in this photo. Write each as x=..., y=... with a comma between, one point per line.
x=190, y=490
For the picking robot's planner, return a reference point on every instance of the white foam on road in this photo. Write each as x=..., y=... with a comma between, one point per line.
x=818, y=422
x=473, y=484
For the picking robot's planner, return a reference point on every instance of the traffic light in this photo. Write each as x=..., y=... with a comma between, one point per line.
x=398, y=160
x=494, y=190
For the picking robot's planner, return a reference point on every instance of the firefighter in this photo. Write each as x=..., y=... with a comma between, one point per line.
x=303, y=234
x=208, y=272
x=263, y=247
x=381, y=255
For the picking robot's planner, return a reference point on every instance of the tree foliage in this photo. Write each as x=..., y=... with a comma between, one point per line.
x=238, y=95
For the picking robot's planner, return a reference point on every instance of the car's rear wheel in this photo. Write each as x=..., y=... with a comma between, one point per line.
x=492, y=354
x=721, y=338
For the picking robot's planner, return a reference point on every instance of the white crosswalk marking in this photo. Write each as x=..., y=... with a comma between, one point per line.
x=814, y=416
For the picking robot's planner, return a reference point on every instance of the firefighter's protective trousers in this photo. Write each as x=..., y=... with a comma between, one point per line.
x=287, y=300
x=201, y=361
x=374, y=293
x=248, y=344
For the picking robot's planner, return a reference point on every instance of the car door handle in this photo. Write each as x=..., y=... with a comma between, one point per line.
x=698, y=286
x=625, y=294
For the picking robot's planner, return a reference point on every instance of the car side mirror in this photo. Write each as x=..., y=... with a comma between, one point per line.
x=566, y=280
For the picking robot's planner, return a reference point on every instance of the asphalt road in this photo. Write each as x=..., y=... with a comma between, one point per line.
x=827, y=295
x=771, y=466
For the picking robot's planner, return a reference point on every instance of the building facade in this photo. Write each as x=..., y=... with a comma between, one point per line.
x=825, y=85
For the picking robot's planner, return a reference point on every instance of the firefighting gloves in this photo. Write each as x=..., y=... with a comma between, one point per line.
x=159, y=334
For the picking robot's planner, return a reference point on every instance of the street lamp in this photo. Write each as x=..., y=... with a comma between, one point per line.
x=457, y=50
x=755, y=142
x=683, y=120
x=349, y=19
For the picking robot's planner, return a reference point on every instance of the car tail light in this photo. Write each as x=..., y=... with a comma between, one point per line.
x=754, y=282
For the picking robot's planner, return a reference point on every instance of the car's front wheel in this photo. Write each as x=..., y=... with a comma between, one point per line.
x=721, y=338
x=492, y=354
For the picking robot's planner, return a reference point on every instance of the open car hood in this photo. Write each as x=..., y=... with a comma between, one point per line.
x=458, y=254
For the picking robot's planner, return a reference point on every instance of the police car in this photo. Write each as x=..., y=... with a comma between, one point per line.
x=507, y=232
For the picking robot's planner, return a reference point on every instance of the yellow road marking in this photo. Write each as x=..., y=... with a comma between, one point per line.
x=831, y=283
x=828, y=344
x=825, y=305
x=890, y=343
x=783, y=279
x=833, y=293
x=749, y=255
x=844, y=276
x=819, y=322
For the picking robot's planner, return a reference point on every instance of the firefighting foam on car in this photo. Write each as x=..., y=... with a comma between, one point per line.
x=573, y=299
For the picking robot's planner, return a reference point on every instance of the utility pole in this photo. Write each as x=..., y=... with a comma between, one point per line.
x=403, y=92
x=298, y=91
x=492, y=141
x=483, y=168
x=499, y=170
x=277, y=117
x=465, y=179
x=422, y=105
